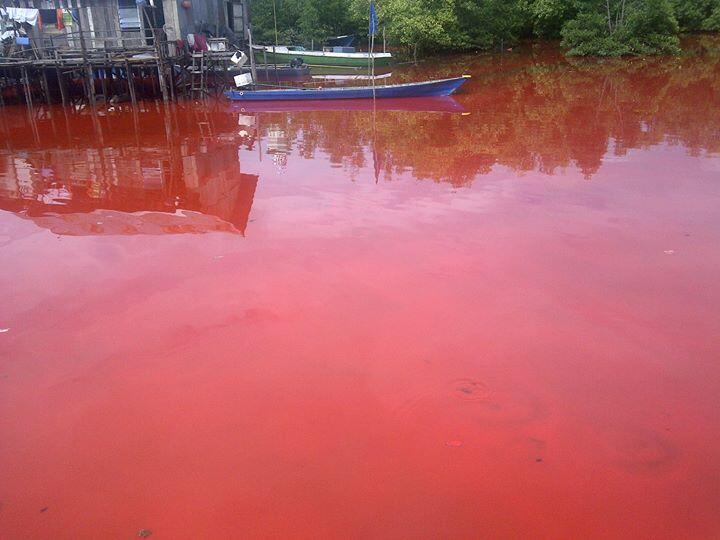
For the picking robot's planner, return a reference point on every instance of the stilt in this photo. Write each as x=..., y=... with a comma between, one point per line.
x=26, y=86
x=105, y=84
x=131, y=83
x=45, y=86
x=161, y=81
x=90, y=84
x=33, y=124
x=172, y=81
x=63, y=86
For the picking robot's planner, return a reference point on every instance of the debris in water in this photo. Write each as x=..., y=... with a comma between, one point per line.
x=3, y=330
x=470, y=390
x=144, y=533
x=454, y=444
x=44, y=509
x=538, y=460
x=669, y=251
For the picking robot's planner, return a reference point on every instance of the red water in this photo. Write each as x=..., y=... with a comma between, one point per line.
x=389, y=324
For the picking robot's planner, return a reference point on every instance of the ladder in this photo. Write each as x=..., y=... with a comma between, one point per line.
x=198, y=75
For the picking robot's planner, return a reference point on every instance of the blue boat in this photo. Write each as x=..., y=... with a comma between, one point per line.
x=440, y=87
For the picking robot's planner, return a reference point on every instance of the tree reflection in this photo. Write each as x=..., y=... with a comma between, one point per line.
x=540, y=112
x=536, y=111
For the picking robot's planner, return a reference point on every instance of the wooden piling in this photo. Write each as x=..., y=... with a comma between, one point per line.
x=45, y=85
x=171, y=76
x=26, y=87
x=131, y=83
x=63, y=86
x=161, y=81
x=104, y=82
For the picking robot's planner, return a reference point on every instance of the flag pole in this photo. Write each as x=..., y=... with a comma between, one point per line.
x=369, y=37
x=372, y=30
x=372, y=62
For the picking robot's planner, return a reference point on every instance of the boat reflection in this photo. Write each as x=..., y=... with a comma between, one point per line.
x=431, y=104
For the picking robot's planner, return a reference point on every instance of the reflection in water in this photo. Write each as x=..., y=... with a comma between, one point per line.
x=125, y=173
x=541, y=113
x=178, y=169
x=390, y=359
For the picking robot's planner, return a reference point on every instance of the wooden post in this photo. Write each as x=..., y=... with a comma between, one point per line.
x=89, y=79
x=62, y=85
x=105, y=83
x=26, y=87
x=171, y=76
x=131, y=82
x=33, y=125
x=45, y=85
x=267, y=75
x=158, y=56
x=161, y=75
x=252, y=58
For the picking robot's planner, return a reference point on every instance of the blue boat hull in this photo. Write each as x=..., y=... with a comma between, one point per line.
x=442, y=87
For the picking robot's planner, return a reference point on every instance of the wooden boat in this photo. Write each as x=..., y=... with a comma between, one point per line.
x=271, y=72
x=440, y=87
x=345, y=77
x=283, y=55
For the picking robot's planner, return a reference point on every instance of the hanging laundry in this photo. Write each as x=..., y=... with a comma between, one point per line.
x=67, y=17
x=201, y=42
x=21, y=15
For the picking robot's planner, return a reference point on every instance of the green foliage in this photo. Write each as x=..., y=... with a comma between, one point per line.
x=622, y=28
x=490, y=23
x=429, y=24
x=587, y=27
x=712, y=23
x=300, y=22
x=696, y=15
x=548, y=16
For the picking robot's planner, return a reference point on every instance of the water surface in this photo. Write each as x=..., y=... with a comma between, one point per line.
x=379, y=323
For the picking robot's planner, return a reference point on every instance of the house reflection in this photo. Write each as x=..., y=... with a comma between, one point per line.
x=80, y=174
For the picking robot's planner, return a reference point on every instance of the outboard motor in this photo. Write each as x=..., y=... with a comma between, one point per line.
x=239, y=58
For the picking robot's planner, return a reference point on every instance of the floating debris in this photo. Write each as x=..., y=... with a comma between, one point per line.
x=44, y=509
x=144, y=533
x=669, y=251
x=454, y=444
x=470, y=390
x=3, y=330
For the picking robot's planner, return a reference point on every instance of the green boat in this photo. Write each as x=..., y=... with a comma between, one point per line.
x=283, y=55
